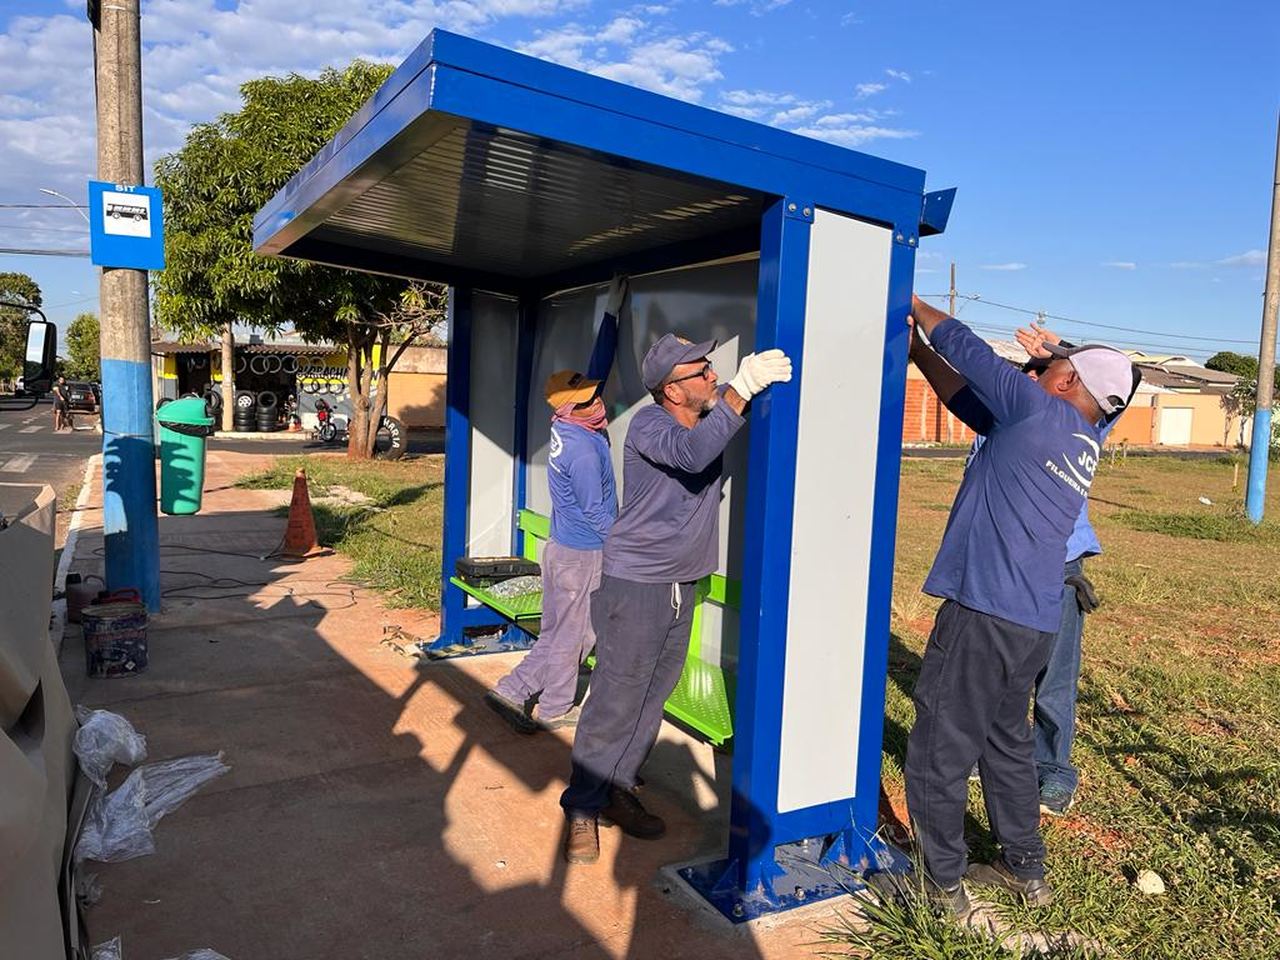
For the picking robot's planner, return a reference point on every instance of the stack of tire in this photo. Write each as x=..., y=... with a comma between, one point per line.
x=246, y=415
x=213, y=405
x=268, y=414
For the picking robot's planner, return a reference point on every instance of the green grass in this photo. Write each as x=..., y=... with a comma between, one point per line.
x=393, y=541
x=1198, y=526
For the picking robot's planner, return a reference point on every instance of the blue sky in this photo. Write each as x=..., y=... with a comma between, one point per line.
x=1114, y=160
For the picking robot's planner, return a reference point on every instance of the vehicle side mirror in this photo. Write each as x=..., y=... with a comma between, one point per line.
x=40, y=358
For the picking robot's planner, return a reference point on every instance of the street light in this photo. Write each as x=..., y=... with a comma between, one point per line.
x=62, y=196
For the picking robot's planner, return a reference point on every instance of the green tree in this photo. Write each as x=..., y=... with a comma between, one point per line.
x=225, y=172
x=84, y=357
x=15, y=288
x=1228, y=361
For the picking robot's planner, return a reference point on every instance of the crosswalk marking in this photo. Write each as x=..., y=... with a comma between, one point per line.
x=36, y=429
x=5, y=426
x=19, y=464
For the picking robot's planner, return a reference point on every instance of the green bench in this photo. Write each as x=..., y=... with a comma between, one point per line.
x=701, y=698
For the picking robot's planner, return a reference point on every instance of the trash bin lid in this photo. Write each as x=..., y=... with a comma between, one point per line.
x=188, y=410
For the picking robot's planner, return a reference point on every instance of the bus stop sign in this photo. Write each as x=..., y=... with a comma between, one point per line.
x=126, y=226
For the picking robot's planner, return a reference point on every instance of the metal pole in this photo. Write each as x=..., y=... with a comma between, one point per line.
x=128, y=448
x=1255, y=497
x=951, y=312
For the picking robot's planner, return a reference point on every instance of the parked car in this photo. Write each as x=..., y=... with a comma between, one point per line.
x=83, y=396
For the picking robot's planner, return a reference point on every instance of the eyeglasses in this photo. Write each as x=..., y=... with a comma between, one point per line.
x=704, y=373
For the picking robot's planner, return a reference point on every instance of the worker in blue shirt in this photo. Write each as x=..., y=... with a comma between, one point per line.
x=666, y=539
x=999, y=572
x=584, y=505
x=1054, y=700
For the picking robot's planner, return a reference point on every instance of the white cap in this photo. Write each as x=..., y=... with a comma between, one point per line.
x=1106, y=373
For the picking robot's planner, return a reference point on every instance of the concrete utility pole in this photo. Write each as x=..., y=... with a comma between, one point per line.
x=1255, y=498
x=128, y=451
x=228, y=378
x=951, y=312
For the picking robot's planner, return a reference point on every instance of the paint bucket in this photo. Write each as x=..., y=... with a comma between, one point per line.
x=115, y=634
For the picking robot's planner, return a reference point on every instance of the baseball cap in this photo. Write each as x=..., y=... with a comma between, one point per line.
x=1106, y=373
x=668, y=353
x=569, y=386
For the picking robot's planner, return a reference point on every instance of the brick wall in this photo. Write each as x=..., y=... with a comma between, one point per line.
x=926, y=420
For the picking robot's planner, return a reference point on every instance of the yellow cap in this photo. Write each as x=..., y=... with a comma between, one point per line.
x=569, y=386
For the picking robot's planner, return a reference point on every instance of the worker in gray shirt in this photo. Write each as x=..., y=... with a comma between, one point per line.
x=666, y=538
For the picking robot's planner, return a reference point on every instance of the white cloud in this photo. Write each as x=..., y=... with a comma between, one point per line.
x=1005, y=267
x=899, y=75
x=1121, y=264
x=1248, y=259
x=864, y=90
x=786, y=118
x=849, y=19
x=678, y=66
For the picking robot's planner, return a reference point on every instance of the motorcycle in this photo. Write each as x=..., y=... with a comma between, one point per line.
x=389, y=444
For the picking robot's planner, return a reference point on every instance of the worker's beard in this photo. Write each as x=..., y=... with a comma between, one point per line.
x=709, y=404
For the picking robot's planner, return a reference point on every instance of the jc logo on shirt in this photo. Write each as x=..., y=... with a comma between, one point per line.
x=1080, y=468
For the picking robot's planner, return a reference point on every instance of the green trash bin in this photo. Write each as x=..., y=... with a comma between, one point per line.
x=184, y=427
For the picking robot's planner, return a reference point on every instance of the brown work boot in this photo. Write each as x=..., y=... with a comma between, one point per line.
x=567, y=719
x=1033, y=891
x=582, y=839
x=627, y=812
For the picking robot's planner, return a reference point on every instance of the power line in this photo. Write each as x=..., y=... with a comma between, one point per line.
x=32, y=227
x=44, y=206
x=32, y=252
x=976, y=298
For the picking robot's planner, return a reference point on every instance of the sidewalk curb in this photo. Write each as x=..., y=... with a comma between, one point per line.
x=58, y=626
x=297, y=436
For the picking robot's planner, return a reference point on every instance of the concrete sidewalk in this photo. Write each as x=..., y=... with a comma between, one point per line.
x=375, y=808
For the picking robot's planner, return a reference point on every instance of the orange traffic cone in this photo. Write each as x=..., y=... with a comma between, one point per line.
x=300, y=535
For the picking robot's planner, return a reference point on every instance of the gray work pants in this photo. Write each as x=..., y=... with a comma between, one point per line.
x=972, y=701
x=550, y=669
x=643, y=637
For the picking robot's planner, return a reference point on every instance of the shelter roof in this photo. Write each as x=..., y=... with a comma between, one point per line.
x=474, y=164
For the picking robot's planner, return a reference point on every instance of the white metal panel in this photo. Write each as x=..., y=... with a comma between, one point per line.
x=1175, y=425
x=844, y=334
x=494, y=328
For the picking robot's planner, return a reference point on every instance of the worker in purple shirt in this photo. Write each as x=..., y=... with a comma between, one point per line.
x=999, y=572
x=584, y=504
x=1054, y=700
x=665, y=539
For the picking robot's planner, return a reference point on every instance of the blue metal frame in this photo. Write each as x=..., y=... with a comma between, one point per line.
x=775, y=860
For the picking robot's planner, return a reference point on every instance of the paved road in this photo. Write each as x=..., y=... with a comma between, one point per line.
x=30, y=452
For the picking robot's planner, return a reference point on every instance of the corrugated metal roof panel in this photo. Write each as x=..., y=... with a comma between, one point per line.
x=526, y=208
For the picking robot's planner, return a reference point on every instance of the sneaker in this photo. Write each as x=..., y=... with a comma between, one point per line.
x=567, y=719
x=1034, y=892
x=510, y=711
x=582, y=839
x=627, y=812
x=949, y=901
x=1055, y=799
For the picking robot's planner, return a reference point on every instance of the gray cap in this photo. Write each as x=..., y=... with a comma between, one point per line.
x=667, y=354
x=1108, y=375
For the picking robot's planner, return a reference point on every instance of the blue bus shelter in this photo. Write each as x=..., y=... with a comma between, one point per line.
x=527, y=186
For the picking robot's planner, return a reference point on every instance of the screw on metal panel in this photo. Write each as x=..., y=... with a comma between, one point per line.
x=911, y=242
x=898, y=238
x=737, y=910
x=808, y=212
x=791, y=207
x=799, y=893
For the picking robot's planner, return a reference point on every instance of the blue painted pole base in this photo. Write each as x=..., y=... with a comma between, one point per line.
x=800, y=873
x=130, y=527
x=1255, y=500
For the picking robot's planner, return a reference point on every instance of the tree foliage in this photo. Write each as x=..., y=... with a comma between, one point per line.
x=1228, y=361
x=229, y=169
x=20, y=289
x=84, y=357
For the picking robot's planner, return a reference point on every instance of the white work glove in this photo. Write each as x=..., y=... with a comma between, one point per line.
x=618, y=289
x=758, y=370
